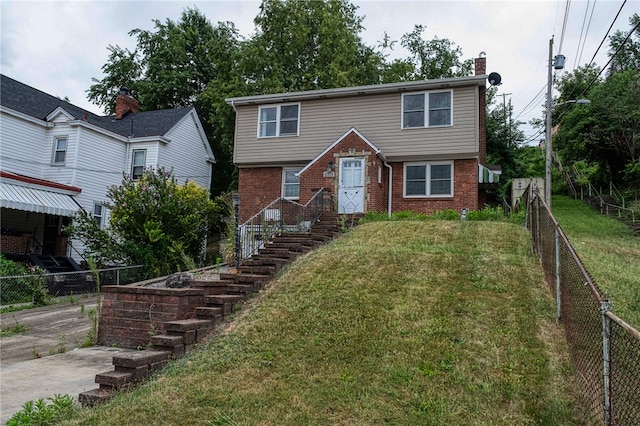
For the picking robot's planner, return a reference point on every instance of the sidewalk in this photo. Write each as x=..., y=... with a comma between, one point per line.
x=69, y=373
x=44, y=360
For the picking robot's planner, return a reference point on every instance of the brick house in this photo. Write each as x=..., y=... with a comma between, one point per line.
x=418, y=145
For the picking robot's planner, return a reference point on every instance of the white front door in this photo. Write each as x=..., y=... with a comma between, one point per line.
x=351, y=186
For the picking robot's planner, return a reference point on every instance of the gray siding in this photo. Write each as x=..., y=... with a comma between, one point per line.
x=377, y=117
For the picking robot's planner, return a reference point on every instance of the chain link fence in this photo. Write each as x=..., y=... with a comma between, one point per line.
x=605, y=350
x=36, y=289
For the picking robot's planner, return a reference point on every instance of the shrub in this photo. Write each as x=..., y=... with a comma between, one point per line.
x=27, y=286
x=154, y=221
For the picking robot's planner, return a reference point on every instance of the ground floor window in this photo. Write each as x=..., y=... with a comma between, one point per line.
x=428, y=179
x=290, y=184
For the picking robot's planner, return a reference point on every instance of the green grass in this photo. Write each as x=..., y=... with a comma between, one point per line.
x=609, y=250
x=400, y=323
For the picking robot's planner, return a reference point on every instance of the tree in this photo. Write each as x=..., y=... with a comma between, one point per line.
x=188, y=62
x=503, y=141
x=306, y=45
x=153, y=221
x=432, y=59
x=626, y=54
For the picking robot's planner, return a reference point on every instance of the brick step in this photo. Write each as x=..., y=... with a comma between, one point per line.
x=258, y=270
x=96, y=397
x=242, y=289
x=288, y=245
x=321, y=237
x=243, y=278
x=226, y=302
x=114, y=380
x=210, y=313
x=292, y=238
x=216, y=287
x=258, y=260
x=278, y=253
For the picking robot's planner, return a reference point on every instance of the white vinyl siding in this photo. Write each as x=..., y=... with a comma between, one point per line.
x=378, y=117
x=290, y=184
x=428, y=179
x=188, y=161
x=59, y=150
x=278, y=120
x=427, y=109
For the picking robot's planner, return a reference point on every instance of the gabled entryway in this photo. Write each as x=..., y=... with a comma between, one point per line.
x=352, y=171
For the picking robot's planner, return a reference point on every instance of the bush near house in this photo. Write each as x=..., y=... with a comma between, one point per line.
x=154, y=221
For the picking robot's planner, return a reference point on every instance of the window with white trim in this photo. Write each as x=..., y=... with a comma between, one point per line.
x=428, y=179
x=278, y=120
x=98, y=213
x=290, y=184
x=59, y=150
x=138, y=161
x=428, y=109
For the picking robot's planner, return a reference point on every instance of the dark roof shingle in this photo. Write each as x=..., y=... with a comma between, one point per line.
x=35, y=103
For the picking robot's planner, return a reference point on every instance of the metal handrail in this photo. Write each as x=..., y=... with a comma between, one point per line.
x=279, y=216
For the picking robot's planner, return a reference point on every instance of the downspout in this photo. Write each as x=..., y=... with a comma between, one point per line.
x=388, y=166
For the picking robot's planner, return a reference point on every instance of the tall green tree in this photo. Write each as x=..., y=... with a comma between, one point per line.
x=187, y=62
x=308, y=44
x=503, y=141
x=436, y=58
x=625, y=47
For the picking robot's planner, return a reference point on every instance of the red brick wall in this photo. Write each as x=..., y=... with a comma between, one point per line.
x=465, y=190
x=258, y=187
x=131, y=314
x=15, y=243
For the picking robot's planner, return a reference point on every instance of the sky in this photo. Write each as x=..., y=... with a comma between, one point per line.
x=58, y=47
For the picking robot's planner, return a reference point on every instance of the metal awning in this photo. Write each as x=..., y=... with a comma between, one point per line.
x=28, y=199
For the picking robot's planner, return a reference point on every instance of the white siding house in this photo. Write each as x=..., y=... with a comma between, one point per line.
x=62, y=156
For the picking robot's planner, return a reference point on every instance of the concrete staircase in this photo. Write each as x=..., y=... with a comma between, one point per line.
x=222, y=298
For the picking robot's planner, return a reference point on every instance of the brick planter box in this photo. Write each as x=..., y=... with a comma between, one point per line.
x=132, y=314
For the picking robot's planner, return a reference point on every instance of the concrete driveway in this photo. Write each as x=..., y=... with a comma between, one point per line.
x=45, y=360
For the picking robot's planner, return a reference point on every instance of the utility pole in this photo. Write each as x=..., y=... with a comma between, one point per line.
x=547, y=177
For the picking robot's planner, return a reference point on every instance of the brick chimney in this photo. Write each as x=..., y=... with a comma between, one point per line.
x=125, y=103
x=481, y=65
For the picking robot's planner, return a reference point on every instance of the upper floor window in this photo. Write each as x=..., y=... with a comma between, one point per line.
x=279, y=120
x=98, y=213
x=291, y=184
x=59, y=150
x=138, y=161
x=427, y=109
x=432, y=179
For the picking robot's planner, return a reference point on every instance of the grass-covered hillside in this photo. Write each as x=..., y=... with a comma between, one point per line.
x=399, y=323
x=609, y=250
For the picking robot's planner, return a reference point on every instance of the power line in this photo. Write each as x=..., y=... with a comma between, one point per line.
x=564, y=23
x=581, y=39
x=608, y=31
x=606, y=65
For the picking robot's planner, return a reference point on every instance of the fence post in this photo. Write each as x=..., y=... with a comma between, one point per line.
x=558, y=274
x=117, y=276
x=538, y=245
x=605, y=306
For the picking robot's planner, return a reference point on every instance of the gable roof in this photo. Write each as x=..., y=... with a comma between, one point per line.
x=39, y=105
x=405, y=86
x=375, y=149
